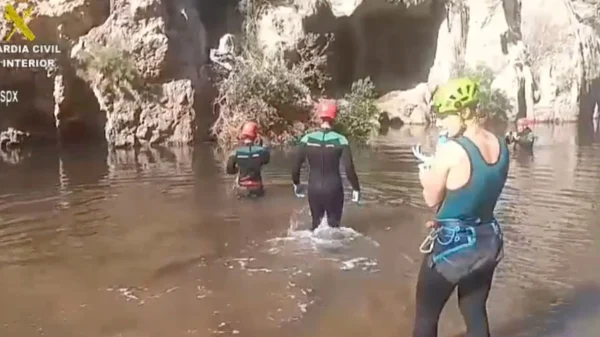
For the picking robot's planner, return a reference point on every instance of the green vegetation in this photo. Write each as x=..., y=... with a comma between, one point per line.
x=279, y=94
x=112, y=63
x=269, y=92
x=358, y=114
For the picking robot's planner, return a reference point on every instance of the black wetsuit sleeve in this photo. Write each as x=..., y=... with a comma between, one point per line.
x=348, y=163
x=299, y=158
x=232, y=167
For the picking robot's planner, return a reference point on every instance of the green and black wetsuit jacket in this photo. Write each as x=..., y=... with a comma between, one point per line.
x=247, y=161
x=324, y=150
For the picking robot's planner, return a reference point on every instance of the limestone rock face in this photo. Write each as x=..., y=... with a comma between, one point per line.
x=544, y=53
x=483, y=33
x=565, y=55
x=544, y=57
x=58, y=22
x=409, y=106
x=156, y=47
x=161, y=46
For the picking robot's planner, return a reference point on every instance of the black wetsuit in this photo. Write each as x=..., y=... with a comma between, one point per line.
x=324, y=150
x=523, y=139
x=247, y=161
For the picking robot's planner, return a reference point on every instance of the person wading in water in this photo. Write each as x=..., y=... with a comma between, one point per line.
x=463, y=181
x=324, y=150
x=247, y=162
x=523, y=138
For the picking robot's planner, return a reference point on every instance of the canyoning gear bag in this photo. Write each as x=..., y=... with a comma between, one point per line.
x=460, y=248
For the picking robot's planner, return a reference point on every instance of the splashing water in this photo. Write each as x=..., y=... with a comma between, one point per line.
x=325, y=241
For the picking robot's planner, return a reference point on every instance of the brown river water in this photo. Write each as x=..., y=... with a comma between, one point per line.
x=154, y=244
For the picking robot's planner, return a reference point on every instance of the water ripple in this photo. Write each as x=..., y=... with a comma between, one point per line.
x=117, y=244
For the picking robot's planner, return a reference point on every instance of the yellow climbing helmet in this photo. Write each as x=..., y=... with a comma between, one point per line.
x=454, y=95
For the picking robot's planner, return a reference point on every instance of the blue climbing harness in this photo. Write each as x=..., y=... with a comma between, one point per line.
x=457, y=248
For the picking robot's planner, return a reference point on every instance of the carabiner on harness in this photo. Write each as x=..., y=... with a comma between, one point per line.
x=427, y=244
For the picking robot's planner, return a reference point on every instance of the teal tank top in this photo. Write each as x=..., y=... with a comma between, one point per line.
x=477, y=199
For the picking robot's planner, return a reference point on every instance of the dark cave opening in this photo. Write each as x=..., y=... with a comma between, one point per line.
x=31, y=112
x=81, y=120
x=587, y=123
x=219, y=17
x=393, y=45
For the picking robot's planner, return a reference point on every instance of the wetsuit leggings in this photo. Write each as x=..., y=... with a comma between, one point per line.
x=326, y=201
x=433, y=291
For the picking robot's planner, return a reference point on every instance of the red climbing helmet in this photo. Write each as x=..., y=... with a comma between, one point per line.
x=249, y=130
x=326, y=109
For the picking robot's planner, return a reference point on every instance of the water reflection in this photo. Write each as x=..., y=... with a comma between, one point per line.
x=153, y=243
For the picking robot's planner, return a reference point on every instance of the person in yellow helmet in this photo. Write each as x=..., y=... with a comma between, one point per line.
x=463, y=182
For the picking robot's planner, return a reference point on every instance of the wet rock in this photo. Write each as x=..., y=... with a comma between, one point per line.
x=165, y=44
x=409, y=106
x=162, y=57
x=58, y=22
x=13, y=138
x=13, y=145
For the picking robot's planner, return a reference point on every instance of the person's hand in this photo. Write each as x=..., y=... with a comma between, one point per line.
x=430, y=224
x=299, y=191
x=416, y=150
x=355, y=196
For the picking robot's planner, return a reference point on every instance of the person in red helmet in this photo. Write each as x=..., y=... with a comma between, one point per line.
x=523, y=138
x=247, y=162
x=324, y=150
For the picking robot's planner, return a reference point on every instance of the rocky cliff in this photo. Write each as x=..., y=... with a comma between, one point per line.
x=544, y=52
x=131, y=71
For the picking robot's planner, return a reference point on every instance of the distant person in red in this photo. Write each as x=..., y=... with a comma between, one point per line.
x=247, y=161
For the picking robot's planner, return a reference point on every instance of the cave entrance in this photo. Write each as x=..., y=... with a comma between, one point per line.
x=393, y=45
x=81, y=120
x=33, y=111
x=589, y=108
